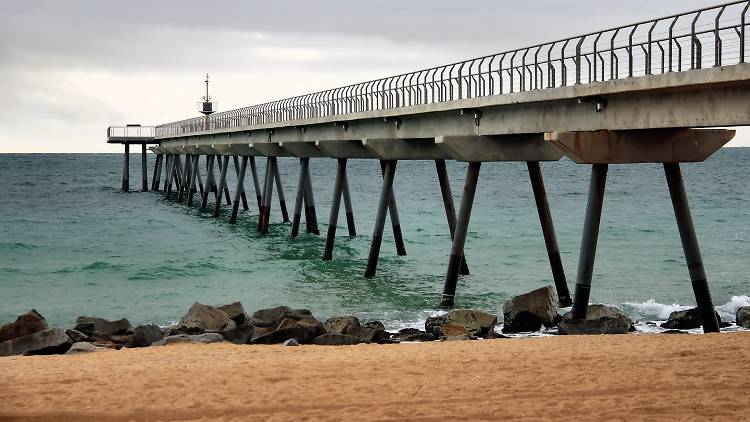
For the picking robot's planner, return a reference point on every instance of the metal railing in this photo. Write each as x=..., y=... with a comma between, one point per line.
x=131, y=131
x=714, y=36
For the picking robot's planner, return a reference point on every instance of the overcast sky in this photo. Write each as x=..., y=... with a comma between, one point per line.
x=69, y=69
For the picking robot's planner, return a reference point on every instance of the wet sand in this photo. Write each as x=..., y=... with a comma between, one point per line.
x=627, y=377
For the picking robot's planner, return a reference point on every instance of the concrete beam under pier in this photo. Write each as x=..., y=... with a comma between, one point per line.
x=641, y=146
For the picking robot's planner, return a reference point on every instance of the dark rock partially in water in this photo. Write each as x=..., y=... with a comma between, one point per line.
x=45, y=342
x=275, y=325
x=370, y=332
x=334, y=339
x=528, y=312
x=346, y=325
x=236, y=312
x=99, y=328
x=77, y=336
x=412, y=334
x=28, y=323
x=743, y=317
x=145, y=335
x=600, y=319
x=687, y=320
x=202, y=318
x=460, y=322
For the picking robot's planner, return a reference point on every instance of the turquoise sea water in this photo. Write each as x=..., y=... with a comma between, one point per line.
x=71, y=243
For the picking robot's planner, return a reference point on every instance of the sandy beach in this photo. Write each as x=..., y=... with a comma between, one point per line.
x=563, y=378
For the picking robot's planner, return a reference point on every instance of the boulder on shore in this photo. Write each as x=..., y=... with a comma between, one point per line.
x=460, y=322
x=412, y=334
x=743, y=317
x=81, y=348
x=145, y=335
x=528, y=312
x=190, y=338
x=235, y=311
x=686, y=320
x=334, y=339
x=369, y=332
x=102, y=329
x=28, y=323
x=45, y=342
x=202, y=318
x=275, y=325
x=600, y=319
x=346, y=325
x=239, y=335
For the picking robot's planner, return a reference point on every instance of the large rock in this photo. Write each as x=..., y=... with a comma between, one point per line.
x=600, y=319
x=271, y=317
x=235, y=311
x=528, y=312
x=346, y=325
x=743, y=317
x=303, y=330
x=686, y=320
x=202, y=318
x=145, y=335
x=239, y=335
x=460, y=322
x=413, y=334
x=46, y=342
x=28, y=323
x=334, y=339
x=102, y=329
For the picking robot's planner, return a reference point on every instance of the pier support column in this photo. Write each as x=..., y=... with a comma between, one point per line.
x=144, y=169
x=450, y=208
x=256, y=184
x=311, y=216
x=237, y=173
x=193, y=176
x=690, y=247
x=268, y=195
x=178, y=176
x=395, y=220
x=198, y=173
x=338, y=188
x=168, y=171
x=348, y=207
x=126, y=169
x=156, y=177
x=548, y=231
x=459, y=237
x=239, y=194
x=389, y=172
x=299, y=199
x=589, y=240
x=209, y=180
x=224, y=164
x=280, y=189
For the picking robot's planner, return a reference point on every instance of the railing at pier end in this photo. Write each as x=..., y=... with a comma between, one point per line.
x=130, y=133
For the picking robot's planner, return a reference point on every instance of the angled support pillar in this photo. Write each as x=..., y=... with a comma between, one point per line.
x=156, y=177
x=237, y=173
x=144, y=168
x=459, y=237
x=265, y=217
x=179, y=178
x=548, y=231
x=224, y=164
x=256, y=184
x=395, y=220
x=280, y=189
x=690, y=247
x=589, y=241
x=126, y=169
x=311, y=216
x=193, y=175
x=335, y=205
x=239, y=194
x=167, y=175
x=450, y=208
x=209, y=179
x=389, y=172
x=198, y=174
x=348, y=207
x=299, y=199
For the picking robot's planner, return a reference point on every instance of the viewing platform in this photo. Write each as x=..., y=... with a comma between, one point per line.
x=131, y=134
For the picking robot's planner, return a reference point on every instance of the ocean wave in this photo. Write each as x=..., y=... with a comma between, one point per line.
x=652, y=310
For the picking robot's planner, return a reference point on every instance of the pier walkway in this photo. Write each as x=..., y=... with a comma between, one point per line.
x=658, y=91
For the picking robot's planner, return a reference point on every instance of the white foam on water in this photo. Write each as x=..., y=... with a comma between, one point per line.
x=652, y=309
